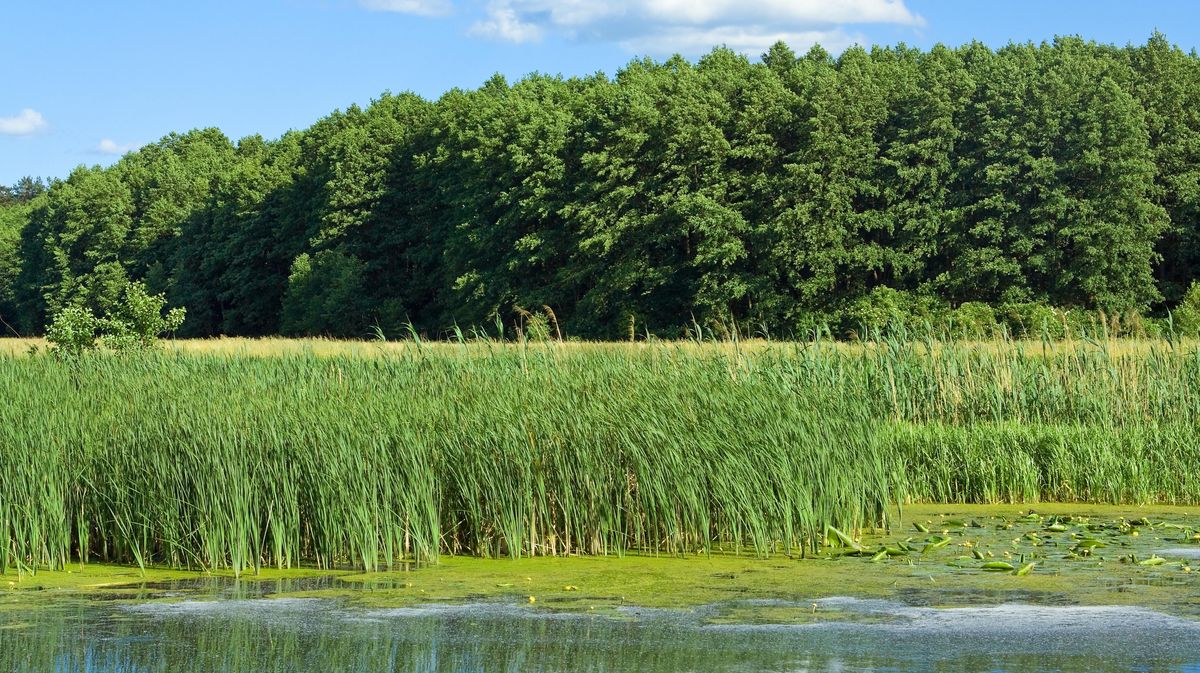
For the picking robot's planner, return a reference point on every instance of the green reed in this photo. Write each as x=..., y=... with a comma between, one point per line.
x=236, y=461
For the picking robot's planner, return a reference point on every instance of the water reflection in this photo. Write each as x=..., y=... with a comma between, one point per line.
x=303, y=636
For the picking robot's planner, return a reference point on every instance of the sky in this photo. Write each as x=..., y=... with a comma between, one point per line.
x=86, y=81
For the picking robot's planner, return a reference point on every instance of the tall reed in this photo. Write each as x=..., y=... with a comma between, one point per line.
x=200, y=461
x=222, y=460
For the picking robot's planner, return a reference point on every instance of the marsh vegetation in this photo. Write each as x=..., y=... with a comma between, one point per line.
x=226, y=460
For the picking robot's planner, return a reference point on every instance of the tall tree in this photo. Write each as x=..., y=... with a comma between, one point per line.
x=1166, y=83
x=72, y=249
x=776, y=192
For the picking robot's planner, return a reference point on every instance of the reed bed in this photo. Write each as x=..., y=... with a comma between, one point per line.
x=223, y=460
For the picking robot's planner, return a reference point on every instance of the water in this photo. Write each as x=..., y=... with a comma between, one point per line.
x=312, y=635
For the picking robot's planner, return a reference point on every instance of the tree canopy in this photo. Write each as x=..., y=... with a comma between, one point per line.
x=773, y=192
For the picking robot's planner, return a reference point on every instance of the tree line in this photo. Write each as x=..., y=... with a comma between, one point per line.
x=782, y=192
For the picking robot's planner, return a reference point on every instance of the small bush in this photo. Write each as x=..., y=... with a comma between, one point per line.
x=1186, y=315
x=72, y=331
x=324, y=296
x=973, y=320
x=1033, y=320
x=883, y=309
x=134, y=323
x=138, y=320
x=929, y=313
x=1156, y=328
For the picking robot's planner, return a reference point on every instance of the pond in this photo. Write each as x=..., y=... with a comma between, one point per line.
x=1081, y=589
x=301, y=635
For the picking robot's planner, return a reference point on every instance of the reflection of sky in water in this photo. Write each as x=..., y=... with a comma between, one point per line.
x=302, y=636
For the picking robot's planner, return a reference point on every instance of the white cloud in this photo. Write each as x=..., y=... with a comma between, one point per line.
x=418, y=7
x=503, y=23
x=692, y=26
x=108, y=146
x=27, y=122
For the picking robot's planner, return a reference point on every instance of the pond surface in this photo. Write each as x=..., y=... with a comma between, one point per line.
x=301, y=635
x=1079, y=589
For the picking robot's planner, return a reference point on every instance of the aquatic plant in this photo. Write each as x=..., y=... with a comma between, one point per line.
x=207, y=460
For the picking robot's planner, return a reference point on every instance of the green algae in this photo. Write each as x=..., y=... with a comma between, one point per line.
x=1080, y=555
x=114, y=583
x=101, y=576
x=936, y=572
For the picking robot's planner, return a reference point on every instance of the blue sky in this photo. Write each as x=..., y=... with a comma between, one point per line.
x=85, y=81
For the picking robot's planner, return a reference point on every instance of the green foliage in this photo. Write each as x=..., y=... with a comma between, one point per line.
x=73, y=331
x=1033, y=320
x=1186, y=316
x=13, y=219
x=138, y=320
x=325, y=296
x=781, y=194
x=134, y=323
x=974, y=321
x=517, y=450
x=883, y=309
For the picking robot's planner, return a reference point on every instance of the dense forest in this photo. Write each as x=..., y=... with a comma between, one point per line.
x=777, y=194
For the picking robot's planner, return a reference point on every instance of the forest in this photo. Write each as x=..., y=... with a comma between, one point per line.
x=969, y=185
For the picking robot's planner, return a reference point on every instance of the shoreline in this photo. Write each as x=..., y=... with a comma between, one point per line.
x=939, y=577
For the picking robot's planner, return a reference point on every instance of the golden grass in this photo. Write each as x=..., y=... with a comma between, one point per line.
x=321, y=347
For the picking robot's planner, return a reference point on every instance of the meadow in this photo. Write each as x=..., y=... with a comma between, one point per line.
x=234, y=454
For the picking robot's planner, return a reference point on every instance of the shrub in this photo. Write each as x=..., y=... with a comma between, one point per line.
x=1033, y=320
x=1156, y=328
x=882, y=309
x=134, y=323
x=1186, y=315
x=1084, y=322
x=973, y=320
x=532, y=326
x=72, y=331
x=138, y=320
x=929, y=314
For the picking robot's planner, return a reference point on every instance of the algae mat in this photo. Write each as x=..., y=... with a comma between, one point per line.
x=944, y=555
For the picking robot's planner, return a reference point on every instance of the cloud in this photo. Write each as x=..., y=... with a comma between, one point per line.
x=692, y=26
x=108, y=146
x=503, y=23
x=418, y=7
x=26, y=123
